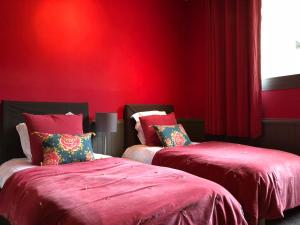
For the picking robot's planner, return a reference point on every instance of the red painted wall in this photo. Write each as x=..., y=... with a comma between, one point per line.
x=108, y=53
x=196, y=61
x=281, y=103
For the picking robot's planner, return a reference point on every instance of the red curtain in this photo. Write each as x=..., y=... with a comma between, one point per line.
x=234, y=83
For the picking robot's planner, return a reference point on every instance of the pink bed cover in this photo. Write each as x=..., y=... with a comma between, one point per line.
x=115, y=192
x=266, y=182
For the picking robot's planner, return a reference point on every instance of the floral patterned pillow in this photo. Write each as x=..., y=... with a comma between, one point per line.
x=172, y=135
x=65, y=148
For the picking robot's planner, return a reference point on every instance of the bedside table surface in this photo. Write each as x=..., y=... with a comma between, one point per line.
x=101, y=156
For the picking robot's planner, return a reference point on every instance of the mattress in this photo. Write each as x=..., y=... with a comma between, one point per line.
x=265, y=181
x=115, y=191
x=12, y=166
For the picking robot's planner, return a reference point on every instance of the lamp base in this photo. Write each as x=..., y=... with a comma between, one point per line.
x=100, y=143
x=105, y=144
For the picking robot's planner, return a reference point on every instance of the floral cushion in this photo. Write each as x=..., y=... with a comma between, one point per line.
x=65, y=148
x=172, y=136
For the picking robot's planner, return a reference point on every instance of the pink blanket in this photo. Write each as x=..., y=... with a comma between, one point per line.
x=115, y=192
x=266, y=182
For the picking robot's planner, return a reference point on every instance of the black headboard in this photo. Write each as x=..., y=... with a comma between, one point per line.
x=11, y=115
x=130, y=134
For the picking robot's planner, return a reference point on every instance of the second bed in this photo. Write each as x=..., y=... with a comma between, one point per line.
x=265, y=181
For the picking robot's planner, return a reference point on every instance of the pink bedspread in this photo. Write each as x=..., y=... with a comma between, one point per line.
x=264, y=181
x=115, y=192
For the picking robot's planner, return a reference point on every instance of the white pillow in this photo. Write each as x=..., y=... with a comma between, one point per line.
x=138, y=127
x=24, y=138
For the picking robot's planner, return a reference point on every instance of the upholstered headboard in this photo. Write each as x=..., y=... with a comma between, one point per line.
x=11, y=115
x=129, y=123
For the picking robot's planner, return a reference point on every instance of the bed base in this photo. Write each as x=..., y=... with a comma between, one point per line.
x=262, y=222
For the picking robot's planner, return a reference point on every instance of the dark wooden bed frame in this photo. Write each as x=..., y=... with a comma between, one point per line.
x=12, y=114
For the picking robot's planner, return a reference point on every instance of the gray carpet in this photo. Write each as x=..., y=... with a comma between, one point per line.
x=291, y=217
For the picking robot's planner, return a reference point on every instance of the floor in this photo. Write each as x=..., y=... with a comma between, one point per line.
x=292, y=217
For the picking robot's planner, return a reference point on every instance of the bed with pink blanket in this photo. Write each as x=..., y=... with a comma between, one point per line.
x=115, y=191
x=266, y=182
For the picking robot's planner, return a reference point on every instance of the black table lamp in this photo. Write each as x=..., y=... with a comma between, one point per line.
x=106, y=123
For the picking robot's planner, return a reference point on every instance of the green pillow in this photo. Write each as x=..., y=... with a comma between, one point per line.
x=65, y=148
x=172, y=135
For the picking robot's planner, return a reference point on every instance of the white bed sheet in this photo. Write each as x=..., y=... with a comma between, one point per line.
x=12, y=166
x=141, y=153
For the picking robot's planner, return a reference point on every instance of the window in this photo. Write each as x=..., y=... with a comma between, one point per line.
x=280, y=38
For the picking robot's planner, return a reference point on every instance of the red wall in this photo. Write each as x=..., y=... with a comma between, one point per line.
x=106, y=52
x=281, y=103
x=111, y=53
x=196, y=63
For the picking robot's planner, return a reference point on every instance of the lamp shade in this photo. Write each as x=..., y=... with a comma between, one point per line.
x=106, y=122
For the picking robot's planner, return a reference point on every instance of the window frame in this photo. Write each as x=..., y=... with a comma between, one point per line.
x=281, y=83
